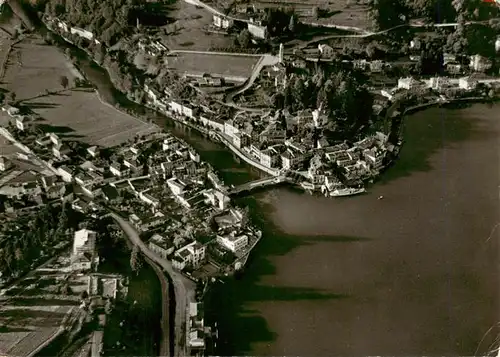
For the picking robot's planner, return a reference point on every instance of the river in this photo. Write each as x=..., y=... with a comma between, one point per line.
x=413, y=274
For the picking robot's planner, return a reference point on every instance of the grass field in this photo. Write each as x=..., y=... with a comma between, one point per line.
x=218, y=65
x=34, y=67
x=188, y=32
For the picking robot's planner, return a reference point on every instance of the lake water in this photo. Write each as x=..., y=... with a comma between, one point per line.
x=415, y=273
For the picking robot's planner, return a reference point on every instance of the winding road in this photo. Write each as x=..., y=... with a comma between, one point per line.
x=183, y=287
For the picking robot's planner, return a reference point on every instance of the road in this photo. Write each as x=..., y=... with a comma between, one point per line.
x=215, y=53
x=365, y=34
x=265, y=60
x=183, y=287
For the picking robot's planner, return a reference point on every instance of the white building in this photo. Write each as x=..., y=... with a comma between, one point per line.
x=497, y=44
x=222, y=22
x=161, y=246
x=82, y=33
x=93, y=151
x=118, y=169
x=176, y=186
x=232, y=242
x=325, y=50
x=269, y=157
x=257, y=30
x=467, y=83
x=290, y=158
x=479, y=63
x=22, y=122
x=4, y=163
x=192, y=254
x=407, y=83
x=438, y=83
x=66, y=173
x=83, y=253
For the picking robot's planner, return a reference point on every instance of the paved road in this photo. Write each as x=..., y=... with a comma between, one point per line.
x=183, y=287
x=265, y=60
x=365, y=34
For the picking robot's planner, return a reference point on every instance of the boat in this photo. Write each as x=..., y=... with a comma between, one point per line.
x=380, y=198
x=347, y=191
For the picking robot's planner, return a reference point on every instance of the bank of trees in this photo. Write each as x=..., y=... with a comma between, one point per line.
x=24, y=241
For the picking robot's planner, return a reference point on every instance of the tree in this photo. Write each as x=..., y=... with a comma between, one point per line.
x=292, y=26
x=11, y=97
x=244, y=38
x=64, y=81
x=245, y=216
x=135, y=259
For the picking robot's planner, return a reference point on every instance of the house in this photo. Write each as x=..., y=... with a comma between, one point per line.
x=60, y=149
x=118, y=169
x=5, y=164
x=479, y=63
x=176, y=186
x=374, y=158
x=376, y=66
x=232, y=242
x=241, y=140
x=467, y=83
x=497, y=44
x=22, y=122
x=230, y=128
x=325, y=50
x=192, y=254
x=438, y=83
x=212, y=122
x=454, y=68
x=83, y=179
x=148, y=199
x=54, y=192
x=148, y=221
x=132, y=163
x=54, y=138
x=170, y=144
x=66, y=173
x=408, y=83
x=161, y=246
x=83, y=253
x=415, y=44
x=290, y=158
x=93, y=151
x=360, y=64
x=188, y=110
x=257, y=30
x=222, y=22
x=269, y=157
x=49, y=181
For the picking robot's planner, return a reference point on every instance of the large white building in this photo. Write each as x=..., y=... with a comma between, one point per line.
x=83, y=253
x=232, y=242
x=192, y=254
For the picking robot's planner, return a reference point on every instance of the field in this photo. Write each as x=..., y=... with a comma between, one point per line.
x=31, y=312
x=188, y=32
x=33, y=68
x=237, y=67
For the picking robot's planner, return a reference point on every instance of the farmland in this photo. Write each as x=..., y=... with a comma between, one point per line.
x=32, y=310
x=237, y=67
x=33, y=73
x=189, y=31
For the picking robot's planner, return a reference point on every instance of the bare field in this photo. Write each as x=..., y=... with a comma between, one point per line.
x=34, y=68
x=188, y=32
x=226, y=66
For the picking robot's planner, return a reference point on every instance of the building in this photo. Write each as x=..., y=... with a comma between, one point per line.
x=60, y=149
x=222, y=22
x=148, y=199
x=82, y=33
x=269, y=157
x=22, y=122
x=257, y=30
x=161, y=246
x=407, y=83
x=374, y=158
x=5, y=164
x=479, y=63
x=290, y=158
x=192, y=254
x=376, y=66
x=438, y=83
x=118, y=169
x=232, y=242
x=467, y=83
x=176, y=186
x=66, y=173
x=83, y=252
x=325, y=50
x=54, y=138
x=497, y=44
x=93, y=151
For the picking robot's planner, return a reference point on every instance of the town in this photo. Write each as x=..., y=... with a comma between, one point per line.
x=97, y=220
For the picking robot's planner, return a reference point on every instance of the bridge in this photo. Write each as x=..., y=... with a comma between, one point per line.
x=268, y=181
